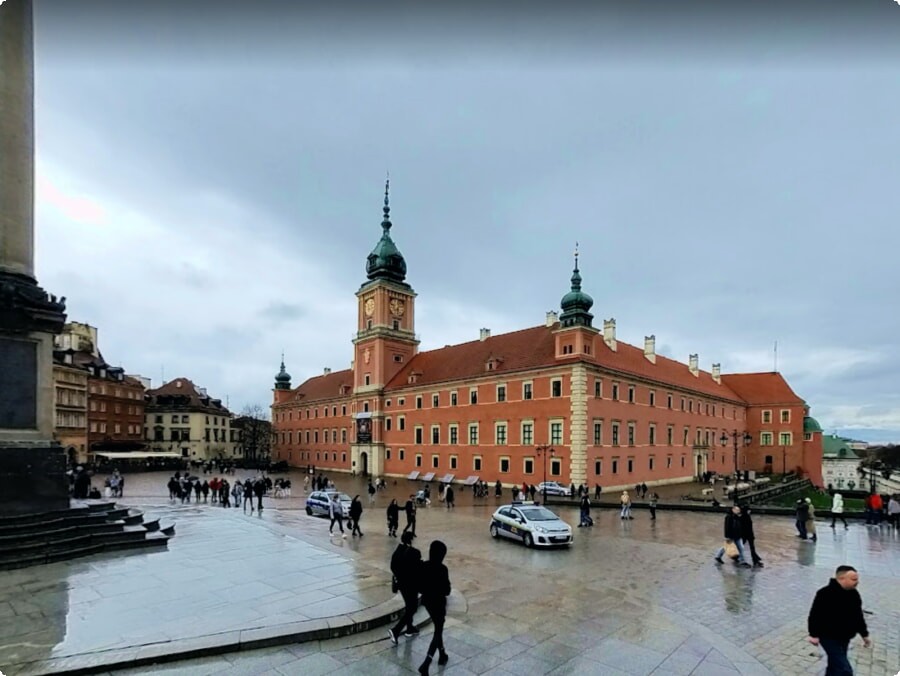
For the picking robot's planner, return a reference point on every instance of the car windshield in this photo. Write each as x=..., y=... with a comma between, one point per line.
x=342, y=496
x=539, y=514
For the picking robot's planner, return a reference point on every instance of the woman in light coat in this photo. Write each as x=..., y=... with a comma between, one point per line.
x=837, y=510
x=811, y=521
x=626, y=506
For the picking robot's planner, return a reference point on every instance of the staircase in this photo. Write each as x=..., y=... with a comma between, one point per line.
x=88, y=527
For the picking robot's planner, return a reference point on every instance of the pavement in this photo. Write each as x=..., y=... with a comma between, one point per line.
x=630, y=597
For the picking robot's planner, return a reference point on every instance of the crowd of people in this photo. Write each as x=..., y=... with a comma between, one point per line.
x=182, y=487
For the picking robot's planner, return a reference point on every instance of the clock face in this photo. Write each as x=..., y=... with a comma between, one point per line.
x=397, y=307
x=369, y=306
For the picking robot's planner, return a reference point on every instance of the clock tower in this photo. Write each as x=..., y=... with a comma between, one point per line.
x=385, y=341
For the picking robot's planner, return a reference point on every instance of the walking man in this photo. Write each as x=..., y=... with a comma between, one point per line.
x=733, y=534
x=435, y=585
x=336, y=512
x=411, y=515
x=654, y=501
x=802, y=515
x=626, y=506
x=449, y=497
x=355, y=516
x=748, y=536
x=371, y=490
x=405, y=565
x=393, y=518
x=836, y=617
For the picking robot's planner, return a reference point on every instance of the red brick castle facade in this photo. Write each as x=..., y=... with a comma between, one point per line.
x=612, y=413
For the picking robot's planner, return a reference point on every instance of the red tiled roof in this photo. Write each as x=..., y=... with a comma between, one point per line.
x=535, y=348
x=762, y=388
x=326, y=386
x=184, y=387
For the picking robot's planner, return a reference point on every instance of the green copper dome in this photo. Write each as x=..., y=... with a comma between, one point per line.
x=576, y=304
x=811, y=425
x=386, y=261
x=283, y=379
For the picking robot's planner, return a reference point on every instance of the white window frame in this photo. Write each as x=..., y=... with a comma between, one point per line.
x=530, y=385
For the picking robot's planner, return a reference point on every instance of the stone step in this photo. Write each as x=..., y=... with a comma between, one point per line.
x=53, y=524
x=21, y=538
x=150, y=540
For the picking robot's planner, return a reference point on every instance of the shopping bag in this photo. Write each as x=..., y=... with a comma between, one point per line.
x=731, y=550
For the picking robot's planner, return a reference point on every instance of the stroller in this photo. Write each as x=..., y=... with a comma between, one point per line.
x=422, y=497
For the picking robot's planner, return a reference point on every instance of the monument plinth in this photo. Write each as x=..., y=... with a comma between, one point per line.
x=32, y=465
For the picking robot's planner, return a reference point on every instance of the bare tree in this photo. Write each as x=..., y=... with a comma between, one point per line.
x=255, y=433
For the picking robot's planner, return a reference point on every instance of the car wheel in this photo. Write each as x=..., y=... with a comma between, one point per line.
x=309, y=511
x=528, y=540
x=494, y=532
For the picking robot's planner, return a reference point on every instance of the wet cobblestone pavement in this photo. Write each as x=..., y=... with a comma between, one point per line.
x=630, y=597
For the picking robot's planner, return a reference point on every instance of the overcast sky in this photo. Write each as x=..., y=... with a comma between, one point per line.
x=210, y=178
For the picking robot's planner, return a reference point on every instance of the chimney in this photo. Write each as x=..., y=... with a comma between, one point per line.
x=717, y=373
x=694, y=365
x=326, y=371
x=609, y=333
x=650, y=348
x=484, y=334
x=551, y=318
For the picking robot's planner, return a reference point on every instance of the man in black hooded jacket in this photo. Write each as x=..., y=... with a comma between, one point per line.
x=435, y=586
x=405, y=565
x=836, y=617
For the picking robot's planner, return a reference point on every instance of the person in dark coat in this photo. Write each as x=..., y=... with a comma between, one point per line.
x=733, y=534
x=393, y=518
x=836, y=616
x=448, y=497
x=355, y=516
x=802, y=514
x=410, y=515
x=748, y=536
x=259, y=489
x=435, y=585
x=406, y=564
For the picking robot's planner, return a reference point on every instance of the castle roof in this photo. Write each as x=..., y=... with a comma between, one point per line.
x=326, y=386
x=182, y=393
x=762, y=388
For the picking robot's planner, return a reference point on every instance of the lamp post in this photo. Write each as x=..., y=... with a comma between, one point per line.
x=736, y=437
x=543, y=451
x=783, y=462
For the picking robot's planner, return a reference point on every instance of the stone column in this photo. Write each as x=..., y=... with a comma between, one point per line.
x=16, y=138
x=32, y=465
x=578, y=423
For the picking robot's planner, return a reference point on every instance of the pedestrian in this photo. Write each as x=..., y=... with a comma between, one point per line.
x=625, y=499
x=893, y=512
x=837, y=510
x=336, y=512
x=836, y=616
x=406, y=562
x=224, y=491
x=597, y=491
x=248, y=495
x=238, y=493
x=515, y=493
x=654, y=500
x=393, y=518
x=532, y=491
x=643, y=490
x=748, y=535
x=449, y=498
x=435, y=585
x=204, y=488
x=802, y=513
x=585, y=519
x=637, y=490
x=498, y=489
x=410, y=509
x=811, y=521
x=371, y=490
x=355, y=515
x=876, y=506
x=306, y=484
x=733, y=535
x=259, y=488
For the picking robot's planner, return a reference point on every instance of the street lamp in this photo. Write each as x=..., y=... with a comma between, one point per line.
x=735, y=438
x=783, y=462
x=544, y=451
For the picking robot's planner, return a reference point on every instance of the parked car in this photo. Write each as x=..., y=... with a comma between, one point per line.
x=317, y=504
x=553, y=488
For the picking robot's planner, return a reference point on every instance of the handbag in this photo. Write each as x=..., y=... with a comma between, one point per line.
x=731, y=550
x=395, y=585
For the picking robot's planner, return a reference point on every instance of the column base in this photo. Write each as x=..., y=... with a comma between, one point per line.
x=32, y=479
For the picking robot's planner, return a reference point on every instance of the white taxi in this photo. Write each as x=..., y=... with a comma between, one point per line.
x=533, y=525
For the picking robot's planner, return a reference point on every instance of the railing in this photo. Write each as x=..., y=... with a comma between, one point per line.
x=774, y=491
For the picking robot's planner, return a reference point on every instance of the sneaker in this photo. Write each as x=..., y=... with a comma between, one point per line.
x=344, y=535
x=411, y=632
x=718, y=559
x=392, y=636
x=744, y=564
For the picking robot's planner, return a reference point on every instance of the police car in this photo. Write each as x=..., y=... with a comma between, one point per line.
x=534, y=525
x=318, y=503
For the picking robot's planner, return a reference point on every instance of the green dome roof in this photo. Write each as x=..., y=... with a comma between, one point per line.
x=576, y=304
x=283, y=379
x=811, y=425
x=386, y=261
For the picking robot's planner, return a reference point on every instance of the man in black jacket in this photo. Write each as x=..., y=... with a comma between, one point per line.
x=435, y=585
x=733, y=534
x=405, y=565
x=748, y=536
x=410, y=516
x=836, y=617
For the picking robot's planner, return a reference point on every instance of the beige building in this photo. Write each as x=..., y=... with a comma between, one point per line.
x=70, y=407
x=183, y=418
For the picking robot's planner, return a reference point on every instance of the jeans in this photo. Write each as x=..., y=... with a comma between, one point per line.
x=801, y=528
x=740, y=548
x=838, y=664
x=626, y=511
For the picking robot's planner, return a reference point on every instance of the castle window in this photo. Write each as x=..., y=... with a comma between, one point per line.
x=501, y=392
x=526, y=391
x=556, y=387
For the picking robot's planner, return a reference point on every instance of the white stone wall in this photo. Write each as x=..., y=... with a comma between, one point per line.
x=578, y=424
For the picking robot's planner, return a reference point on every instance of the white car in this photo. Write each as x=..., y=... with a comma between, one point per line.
x=531, y=524
x=318, y=503
x=553, y=488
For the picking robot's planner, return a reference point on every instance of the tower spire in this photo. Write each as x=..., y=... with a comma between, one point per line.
x=386, y=220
